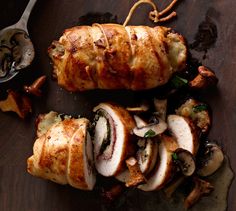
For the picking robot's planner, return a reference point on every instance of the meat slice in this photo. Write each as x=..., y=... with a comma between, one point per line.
x=184, y=131
x=163, y=169
x=113, y=141
x=147, y=154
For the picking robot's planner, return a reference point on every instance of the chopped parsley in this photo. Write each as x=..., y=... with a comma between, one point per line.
x=175, y=156
x=200, y=107
x=178, y=81
x=149, y=134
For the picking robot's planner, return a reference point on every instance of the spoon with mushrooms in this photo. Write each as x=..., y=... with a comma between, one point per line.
x=16, y=48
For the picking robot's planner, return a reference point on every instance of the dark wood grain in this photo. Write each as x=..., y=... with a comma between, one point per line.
x=19, y=190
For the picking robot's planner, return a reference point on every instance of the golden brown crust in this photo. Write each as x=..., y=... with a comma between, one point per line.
x=58, y=155
x=111, y=56
x=76, y=175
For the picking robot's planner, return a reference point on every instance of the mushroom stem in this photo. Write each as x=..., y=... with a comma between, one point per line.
x=201, y=188
x=34, y=88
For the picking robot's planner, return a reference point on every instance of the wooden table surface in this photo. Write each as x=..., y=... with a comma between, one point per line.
x=21, y=191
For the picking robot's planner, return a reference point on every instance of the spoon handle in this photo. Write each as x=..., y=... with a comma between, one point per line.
x=22, y=23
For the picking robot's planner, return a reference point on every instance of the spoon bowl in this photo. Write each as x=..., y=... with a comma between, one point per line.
x=16, y=49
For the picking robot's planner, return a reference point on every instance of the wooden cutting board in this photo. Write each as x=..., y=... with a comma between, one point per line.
x=19, y=190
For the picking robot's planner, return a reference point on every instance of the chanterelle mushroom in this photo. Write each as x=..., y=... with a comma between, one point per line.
x=136, y=176
x=16, y=103
x=34, y=88
x=201, y=188
x=205, y=78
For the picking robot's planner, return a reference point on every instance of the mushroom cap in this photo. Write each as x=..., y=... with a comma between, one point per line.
x=211, y=160
x=155, y=129
x=185, y=161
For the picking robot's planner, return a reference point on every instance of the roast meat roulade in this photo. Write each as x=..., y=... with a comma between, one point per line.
x=112, y=56
x=63, y=152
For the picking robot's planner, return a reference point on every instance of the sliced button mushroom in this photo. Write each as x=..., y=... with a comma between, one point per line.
x=139, y=122
x=211, y=160
x=185, y=161
x=5, y=61
x=151, y=130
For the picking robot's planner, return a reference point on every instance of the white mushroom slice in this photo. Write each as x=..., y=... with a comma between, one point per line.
x=184, y=131
x=110, y=155
x=147, y=155
x=160, y=107
x=139, y=122
x=151, y=130
x=162, y=172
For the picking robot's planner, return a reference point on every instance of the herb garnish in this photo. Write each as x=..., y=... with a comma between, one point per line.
x=178, y=81
x=200, y=107
x=149, y=134
x=175, y=156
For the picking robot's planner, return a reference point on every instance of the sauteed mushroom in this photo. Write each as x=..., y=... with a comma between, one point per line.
x=211, y=160
x=185, y=161
x=5, y=60
x=152, y=129
x=200, y=189
x=16, y=51
x=205, y=78
x=23, y=50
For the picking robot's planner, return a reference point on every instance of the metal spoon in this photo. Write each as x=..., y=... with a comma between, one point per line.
x=16, y=48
